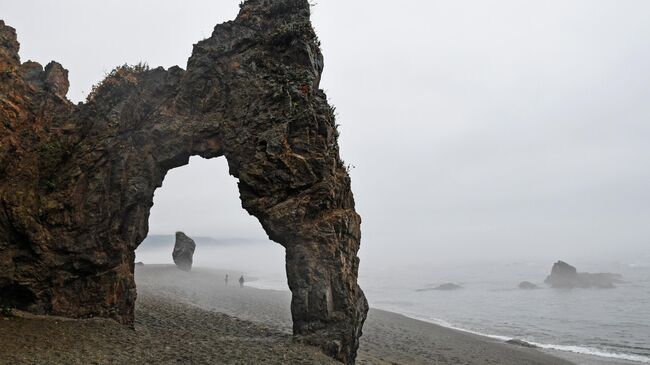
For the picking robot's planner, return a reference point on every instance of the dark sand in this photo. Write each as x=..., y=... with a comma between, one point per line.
x=166, y=332
x=189, y=318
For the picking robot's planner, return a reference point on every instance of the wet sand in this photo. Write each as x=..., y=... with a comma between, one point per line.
x=194, y=318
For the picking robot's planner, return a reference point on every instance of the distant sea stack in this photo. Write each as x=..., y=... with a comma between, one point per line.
x=566, y=276
x=183, y=251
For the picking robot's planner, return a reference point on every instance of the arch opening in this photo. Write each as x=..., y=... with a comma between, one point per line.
x=201, y=199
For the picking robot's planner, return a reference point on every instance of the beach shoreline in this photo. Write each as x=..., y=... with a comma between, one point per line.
x=204, y=320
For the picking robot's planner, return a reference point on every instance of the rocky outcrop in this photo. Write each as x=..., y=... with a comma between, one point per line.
x=77, y=181
x=183, y=253
x=527, y=285
x=566, y=276
x=8, y=48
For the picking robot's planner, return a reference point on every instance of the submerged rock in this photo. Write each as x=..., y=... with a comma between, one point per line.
x=527, y=285
x=183, y=251
x=521, y=343
x=448, y=286
x=566, y=276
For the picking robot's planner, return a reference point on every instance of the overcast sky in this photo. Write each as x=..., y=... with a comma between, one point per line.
x=477, y=128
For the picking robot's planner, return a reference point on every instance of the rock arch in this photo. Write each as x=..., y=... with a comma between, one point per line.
x=77, y=181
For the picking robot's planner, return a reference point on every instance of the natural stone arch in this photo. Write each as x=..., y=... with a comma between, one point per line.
x=77, y=182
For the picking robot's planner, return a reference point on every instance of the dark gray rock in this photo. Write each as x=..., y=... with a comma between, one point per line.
x=565, y=276
x=183, y=253
x=521, y=343
x=527, y=285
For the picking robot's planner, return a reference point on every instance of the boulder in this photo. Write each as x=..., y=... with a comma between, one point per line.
x=566, y=276
x=527, y=285
x=183, y=251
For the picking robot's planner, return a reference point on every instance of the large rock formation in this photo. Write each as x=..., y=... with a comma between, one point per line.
x=566, y=276
x=183, y=253
x=77, y=181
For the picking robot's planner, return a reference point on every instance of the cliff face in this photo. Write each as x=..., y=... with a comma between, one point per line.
x=77, y=181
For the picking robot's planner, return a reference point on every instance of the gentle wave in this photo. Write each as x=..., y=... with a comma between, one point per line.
x=595, y=352
x=566, y=348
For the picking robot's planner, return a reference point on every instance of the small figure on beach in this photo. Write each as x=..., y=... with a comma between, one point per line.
x=226, y=280
x=241, y=281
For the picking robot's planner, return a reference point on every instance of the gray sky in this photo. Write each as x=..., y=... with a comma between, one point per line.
x=477, y=128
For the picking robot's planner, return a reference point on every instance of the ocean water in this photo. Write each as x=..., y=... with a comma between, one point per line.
x=612, y=324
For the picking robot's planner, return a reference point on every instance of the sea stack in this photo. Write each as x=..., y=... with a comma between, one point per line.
x=566, y=276
x=183, y=251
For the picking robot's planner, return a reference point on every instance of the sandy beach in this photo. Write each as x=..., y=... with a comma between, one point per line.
x=194, y=318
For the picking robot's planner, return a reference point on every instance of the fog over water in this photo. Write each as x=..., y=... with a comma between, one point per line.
x=477, y=130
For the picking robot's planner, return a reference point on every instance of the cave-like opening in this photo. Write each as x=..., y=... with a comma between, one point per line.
x=202, y=200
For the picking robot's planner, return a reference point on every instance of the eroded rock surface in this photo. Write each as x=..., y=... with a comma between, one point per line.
x=183, y=253
x=77, y=181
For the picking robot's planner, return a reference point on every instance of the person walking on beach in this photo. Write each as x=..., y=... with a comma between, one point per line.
x=226, y=280
x=241, y=281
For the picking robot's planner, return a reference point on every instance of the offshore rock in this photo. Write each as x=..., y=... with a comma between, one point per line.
x=183, y=251
x=527, y=285
x=448, y=286
x=565, y=276
x=443, y=287
x=77, y=181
